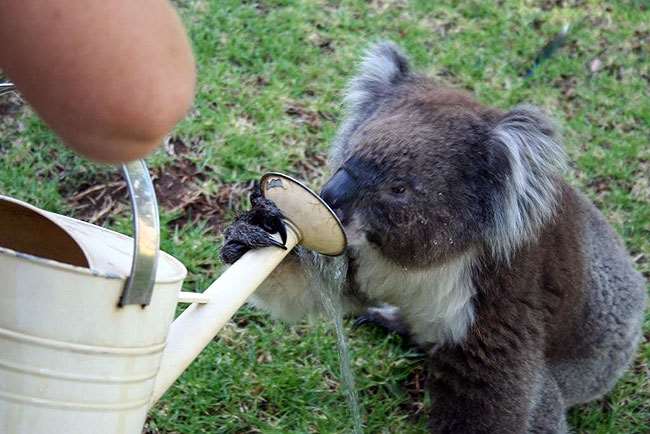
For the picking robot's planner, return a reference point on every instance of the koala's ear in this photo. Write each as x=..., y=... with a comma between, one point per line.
x=529, y=144
x=383, y=67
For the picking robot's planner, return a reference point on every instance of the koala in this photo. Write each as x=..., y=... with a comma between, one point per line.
x=463, y=236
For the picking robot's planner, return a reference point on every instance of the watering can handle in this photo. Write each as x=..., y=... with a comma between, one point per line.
x=146, y=234
x=146, y=229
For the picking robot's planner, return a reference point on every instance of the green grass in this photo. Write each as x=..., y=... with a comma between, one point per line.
x=271, y=76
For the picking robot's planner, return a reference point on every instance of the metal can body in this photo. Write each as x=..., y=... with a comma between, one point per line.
x=71, y=360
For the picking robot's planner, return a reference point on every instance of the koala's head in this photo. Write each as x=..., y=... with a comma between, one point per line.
x=424, y=173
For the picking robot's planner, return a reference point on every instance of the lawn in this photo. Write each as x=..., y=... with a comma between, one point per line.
x=271, y=75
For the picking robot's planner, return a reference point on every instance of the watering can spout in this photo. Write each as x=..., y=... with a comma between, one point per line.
x=77, y=352
x=309, y=221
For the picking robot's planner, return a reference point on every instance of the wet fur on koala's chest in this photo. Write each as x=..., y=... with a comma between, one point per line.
x=435, y=302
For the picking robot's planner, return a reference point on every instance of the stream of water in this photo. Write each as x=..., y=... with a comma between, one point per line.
x=328, y=279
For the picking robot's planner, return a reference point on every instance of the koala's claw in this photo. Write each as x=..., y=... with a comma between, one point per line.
x=362, y=320
x=384, y=317
x=267, y=216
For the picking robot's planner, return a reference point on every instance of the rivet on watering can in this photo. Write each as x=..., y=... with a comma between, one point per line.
x=274, y=183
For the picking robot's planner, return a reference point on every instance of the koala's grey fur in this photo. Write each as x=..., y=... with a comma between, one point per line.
x=457, y=216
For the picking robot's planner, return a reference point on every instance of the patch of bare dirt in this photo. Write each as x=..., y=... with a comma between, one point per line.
x=261, y=81
x=415, y=387
x=179, y=189
x=97, y=203
x=601, y=185
x=312, y=166
x=324, y=43
x=547, y=5
x=305, y=115
x=567, y=85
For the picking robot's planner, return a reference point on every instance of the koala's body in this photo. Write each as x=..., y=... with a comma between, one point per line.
x=523, y=296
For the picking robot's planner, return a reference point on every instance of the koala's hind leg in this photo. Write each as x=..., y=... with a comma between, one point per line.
x=548, y=415
x=613, y=314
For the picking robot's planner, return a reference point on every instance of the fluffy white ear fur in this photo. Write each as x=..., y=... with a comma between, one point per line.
x=536, y=158
x=382, y=68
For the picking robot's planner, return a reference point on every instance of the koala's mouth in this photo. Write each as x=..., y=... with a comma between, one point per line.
x=374, y=239
x=357, y=234
x=341, y=216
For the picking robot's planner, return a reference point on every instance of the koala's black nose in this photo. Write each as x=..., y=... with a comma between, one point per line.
x=339, y=192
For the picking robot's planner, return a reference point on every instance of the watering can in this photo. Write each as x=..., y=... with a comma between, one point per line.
x=87, y=338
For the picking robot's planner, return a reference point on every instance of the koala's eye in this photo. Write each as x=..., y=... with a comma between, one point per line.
x=398, y=189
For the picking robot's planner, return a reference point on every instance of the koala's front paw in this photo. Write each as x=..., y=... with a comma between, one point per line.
x=386, y=317
x=252, y=229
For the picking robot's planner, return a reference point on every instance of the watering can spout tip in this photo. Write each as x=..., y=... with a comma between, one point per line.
x=319, y=227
